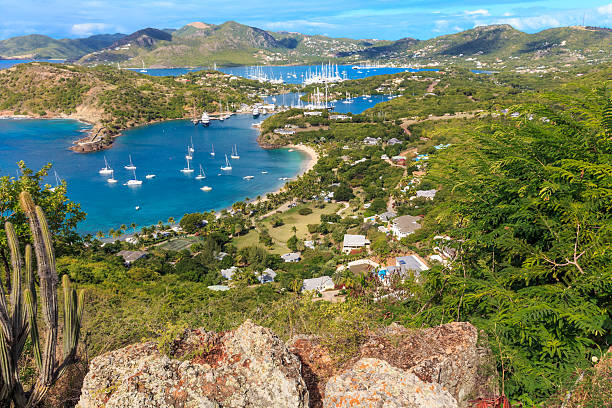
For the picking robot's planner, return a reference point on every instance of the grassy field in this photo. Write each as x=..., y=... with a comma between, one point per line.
x=291, y=218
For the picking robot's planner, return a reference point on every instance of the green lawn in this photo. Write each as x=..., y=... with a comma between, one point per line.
x=291, y=218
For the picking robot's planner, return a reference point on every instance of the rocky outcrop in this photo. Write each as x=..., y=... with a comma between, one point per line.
x=251, y=367
x=448, y=355
x=248, y=367
x=375, y=383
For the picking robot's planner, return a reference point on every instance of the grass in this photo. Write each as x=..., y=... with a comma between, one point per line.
x=291, y=218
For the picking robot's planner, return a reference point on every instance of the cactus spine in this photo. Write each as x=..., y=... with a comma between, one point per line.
x=18, y=318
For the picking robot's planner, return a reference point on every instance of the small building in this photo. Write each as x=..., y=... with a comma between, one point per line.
x=339, y=117
x=229, y=272
x=312, y=113
x=266, y=276
x=218, y=288
x=284, y=132
x=405, y=225
x=387, y=216
x=309, y=244
x=352, y=242
x=319, y=284
x=292, y=257
x=404, y=266
x=427, y=194
x=131, y=256
x=393, y=141
x=384, y=157
x=220, y=256
x=412, y=262
x=401, y=160
x=370, y=141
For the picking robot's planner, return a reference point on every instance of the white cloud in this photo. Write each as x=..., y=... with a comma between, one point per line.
x=607, y=9
x=89, y=28
x=479, y=12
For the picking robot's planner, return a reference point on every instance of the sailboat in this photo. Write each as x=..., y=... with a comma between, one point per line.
x=57, y=182
x=348, y=98
x=112, y=179
x=131, y=165
x=191, y=148
x=143, y=67
x=187, y=169
x=212, y=152
x=205, y=188
x=202, y=175
x=227, y=166
x=106, y=169
x=234, y=154
x=188, y=156
x=134, y=181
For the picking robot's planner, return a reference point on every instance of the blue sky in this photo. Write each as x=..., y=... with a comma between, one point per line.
x=384, y=19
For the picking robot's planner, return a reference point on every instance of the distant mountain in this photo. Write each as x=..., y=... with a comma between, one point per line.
x=230, y=43
x=43, y=47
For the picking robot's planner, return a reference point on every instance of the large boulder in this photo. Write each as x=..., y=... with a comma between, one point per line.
x=375, y=383
x=248, y=367
x=449, y=355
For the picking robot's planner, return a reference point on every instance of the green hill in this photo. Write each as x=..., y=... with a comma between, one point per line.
x=42, y=46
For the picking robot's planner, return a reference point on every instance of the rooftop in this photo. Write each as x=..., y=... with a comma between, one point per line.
x=131, y=256
x=407, y=223
x=355, y=240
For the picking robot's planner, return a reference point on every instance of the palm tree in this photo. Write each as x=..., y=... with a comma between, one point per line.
x=99, y=235
x=170, y=220
x=111, y=232
x=133, y=227
x=123, y=227
x=294, y=229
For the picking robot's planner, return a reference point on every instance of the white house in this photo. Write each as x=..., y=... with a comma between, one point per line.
x=292, y=257
x=352, y=242
x=405, y=225
x=319, y=284
x=266, y=276
x=131, y=256
x=229, y=272
x=427, y=194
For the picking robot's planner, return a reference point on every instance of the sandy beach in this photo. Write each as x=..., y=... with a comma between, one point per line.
x=312, y=154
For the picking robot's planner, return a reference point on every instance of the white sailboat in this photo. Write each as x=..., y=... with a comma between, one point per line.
x=150, y=176
x=187, y=169
x=58, y=181
x=106, y=169
x=112, y=179
x=256, y=112
x=212, y=152
x=191, y=148
x=205, y=188
x=248, y=177
x=134, y=181
x=234, y=154
x=188, y=156
x=227, y=166
x=131, y=165
x=143, y=67
x=202, y=175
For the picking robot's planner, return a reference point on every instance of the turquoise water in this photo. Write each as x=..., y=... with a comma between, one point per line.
x=156, y=149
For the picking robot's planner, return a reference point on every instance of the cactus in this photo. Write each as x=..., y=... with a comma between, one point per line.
x=18, y=318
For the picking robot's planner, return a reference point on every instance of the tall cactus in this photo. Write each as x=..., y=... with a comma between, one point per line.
x=18, y=318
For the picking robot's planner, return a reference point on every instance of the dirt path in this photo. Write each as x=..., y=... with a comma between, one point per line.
x=431, y=86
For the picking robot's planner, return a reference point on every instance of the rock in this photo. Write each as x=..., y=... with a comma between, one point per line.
x=448, y=355
x=317, y=366
x=248, y=367
x=375, y=383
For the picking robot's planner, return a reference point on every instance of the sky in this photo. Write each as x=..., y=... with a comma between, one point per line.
x=380, y=19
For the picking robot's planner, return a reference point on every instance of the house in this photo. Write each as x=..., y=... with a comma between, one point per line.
x=405, y=225
x=292, y=257
x=393, y=141
x=387, y=216
x=339, y=117
x=370, y=141
x=384, y=157
x=399, y=159
x=218, y=288
x=412, y=262
x=309, y=244
x=266, y=276
x=404, y=266
x=131, y=256
x=284, y=132
x=318, y=284
x=132, y=240
x=312, y=113
x=229, y=272
x=427, y=194
x=352, y=242
x=220, y=256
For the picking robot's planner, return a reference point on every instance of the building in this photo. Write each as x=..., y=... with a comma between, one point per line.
x=309, y=244
x=393, y=141
x=131, y=256
x=370, y=141
x=266, y=276
x=319, y=284
x=229, y=272
x=404, y=266
x=401, y=160
x=412, y=262
x=405, y=225
x=218, y=288
x=339, y=117
x=312, y=113
x=354, y=242
x=427, y=194
x=387, y=216
x=292, y=257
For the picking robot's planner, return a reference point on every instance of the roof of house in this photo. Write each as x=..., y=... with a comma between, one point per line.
x=407, y=223
x=411, y=262
x=393, y=141
x=291, y=256
x=269, y=272
x=354, y=240
x=386, y=216
x=218, y=288
x=229, y=272
x=316, y=283
x=131, y=256
x=427, y=193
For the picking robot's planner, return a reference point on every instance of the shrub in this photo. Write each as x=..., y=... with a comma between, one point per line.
x=305, y=211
